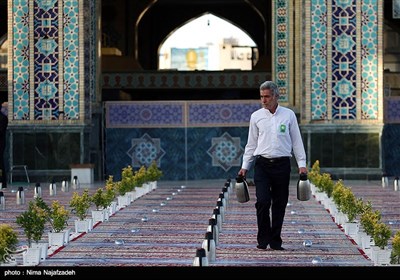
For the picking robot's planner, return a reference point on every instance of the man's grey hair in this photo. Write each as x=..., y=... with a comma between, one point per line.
x=270, y=85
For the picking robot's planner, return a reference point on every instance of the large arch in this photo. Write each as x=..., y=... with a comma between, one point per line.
x=143, y=26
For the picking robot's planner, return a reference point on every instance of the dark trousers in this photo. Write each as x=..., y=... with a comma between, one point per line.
x=271, y=178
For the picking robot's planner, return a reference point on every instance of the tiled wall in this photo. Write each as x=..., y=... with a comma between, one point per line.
x=187, y=139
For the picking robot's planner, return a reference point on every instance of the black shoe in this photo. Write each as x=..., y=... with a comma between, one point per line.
x=278, y=248
x=261, y=247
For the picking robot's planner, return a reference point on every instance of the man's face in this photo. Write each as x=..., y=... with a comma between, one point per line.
x=268, y=99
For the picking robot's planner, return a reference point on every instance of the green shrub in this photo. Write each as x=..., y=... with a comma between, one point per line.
x=8, y=241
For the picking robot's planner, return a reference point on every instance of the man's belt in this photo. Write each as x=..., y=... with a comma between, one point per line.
x=273, y=160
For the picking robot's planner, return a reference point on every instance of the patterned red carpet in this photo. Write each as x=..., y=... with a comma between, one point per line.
x=165, y=227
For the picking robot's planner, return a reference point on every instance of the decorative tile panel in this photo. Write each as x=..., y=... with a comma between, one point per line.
x=46, y=60
x=145, y=114
x=20, y=67
x=280, y=27
x=182, y=80
x=392, y=109
x=180, y=113
x=369, y=60
x=344, y=60
x=221, y=113
x=71, y=63
x=46, y=57
x=145, y=150
x=319, y=71
x=226, y=151
x=345, y=69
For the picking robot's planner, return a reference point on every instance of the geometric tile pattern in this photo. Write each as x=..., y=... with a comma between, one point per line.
x=319, y=71
x=20, y=73
x=182, y=80
x=281, y=46
x=392, y=109
x=145, y=114
x=369, y=60
x=179, y=113
x=226, y=151
x=188, y=139
x=344, y=59
x=45, y=59
x=71, y=56
x=145, y=150
x=182, y=153
x=220, y=113
x=46, y=79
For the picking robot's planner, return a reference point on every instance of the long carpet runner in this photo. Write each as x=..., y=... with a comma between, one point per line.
x=165, y=227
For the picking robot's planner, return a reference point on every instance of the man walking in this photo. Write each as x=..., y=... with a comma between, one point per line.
x=274, y=134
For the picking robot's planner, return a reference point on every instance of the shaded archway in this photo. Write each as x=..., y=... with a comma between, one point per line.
x=139, y=27
x=213, y=43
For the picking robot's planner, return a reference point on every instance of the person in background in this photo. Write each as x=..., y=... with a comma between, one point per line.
x=3, y=131
x=273, y=136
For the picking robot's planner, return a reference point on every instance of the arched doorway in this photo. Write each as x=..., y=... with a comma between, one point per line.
x=208, y=43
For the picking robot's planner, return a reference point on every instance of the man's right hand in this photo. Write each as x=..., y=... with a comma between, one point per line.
x=242, y=172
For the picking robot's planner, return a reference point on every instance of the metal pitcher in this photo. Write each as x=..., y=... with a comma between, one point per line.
x=303, y=188
x=385, y=181
x=65, y=185
x=213, y=227
x=53, y=188
x=75, y=183
x=20, y=196
x=201, y=258
x=37, y=191
x=2, y=201
x=209, y=246
x=396, y=184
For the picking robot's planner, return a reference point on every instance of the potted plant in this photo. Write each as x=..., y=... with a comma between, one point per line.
x=350, y=204
x=313, y=174
x=99, y=199
x=126, y=184
x=395, y=254
x=110, y=190
x=326, y=184
x=80, y=205
x=58, y=217
x=381, y=236
x=33, y=222
x=154, y=174
x=351, y=207
x=8, y=243
x=369, y=218
x=140, y=178
x=337, y=197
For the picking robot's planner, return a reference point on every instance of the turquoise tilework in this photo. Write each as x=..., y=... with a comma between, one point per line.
x=344, y=51
x=319, y=71
x=182, y=153
x=188, y=140
x=20, y=59
x=70, y=54
x=369, y=60
x=281, y=38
